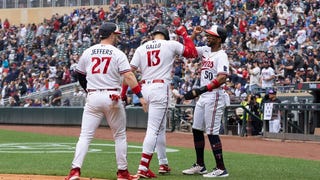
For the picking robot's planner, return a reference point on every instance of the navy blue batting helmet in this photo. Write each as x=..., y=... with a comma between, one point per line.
x=107, y=28
x=161, y=29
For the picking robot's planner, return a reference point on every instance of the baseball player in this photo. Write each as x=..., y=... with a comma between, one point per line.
x=210, y=106
x=155, y=60
x=100, y=71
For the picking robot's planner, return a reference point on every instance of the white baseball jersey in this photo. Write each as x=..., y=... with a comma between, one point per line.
x=212, y=64
x=155, y=58
x=103, y=65
x=210, y=106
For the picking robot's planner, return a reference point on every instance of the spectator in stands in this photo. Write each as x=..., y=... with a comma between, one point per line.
x=288, y=67
x=78, y=92
x=16, y=98
x=311, y=75
x=5, y=90
x=45, y=102
x=6, y=24
x=27, y=102
x=1, y=100
x=66, y=76
x=57, y=95
x=22, y=87
x=254, y=82
x=267, y=76
x=300, y=75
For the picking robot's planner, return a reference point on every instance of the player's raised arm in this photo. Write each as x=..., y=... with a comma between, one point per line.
x=189, y=47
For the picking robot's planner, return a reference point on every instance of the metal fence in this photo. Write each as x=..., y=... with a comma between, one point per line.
x=4, y=4
x=298, y=121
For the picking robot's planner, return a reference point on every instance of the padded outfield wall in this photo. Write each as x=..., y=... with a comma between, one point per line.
x=136, y=117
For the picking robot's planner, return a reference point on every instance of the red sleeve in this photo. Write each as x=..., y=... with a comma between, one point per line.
x=124, y=90
x=190, y=50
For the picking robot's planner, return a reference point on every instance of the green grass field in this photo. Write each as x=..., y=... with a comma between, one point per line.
x=28, y=153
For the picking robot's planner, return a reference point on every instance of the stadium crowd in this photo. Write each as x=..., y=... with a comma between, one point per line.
x=270, y=42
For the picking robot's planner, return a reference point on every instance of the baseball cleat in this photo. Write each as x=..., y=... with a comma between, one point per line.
x=125, y=175
x=217, y=173
x=74, y=174
x=146, y=174
x=164, y=169
x=195, y=169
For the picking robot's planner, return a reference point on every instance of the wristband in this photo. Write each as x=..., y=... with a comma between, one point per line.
x=137, y=91
x=139, y=95
x=216, y=83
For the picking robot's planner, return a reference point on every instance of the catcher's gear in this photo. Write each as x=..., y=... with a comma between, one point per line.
x=195, y=92
x=107, y=28
x=218, y=31
x=162, y=30
x=181, y=31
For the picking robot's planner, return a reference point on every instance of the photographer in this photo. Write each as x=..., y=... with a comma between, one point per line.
x=254, y=106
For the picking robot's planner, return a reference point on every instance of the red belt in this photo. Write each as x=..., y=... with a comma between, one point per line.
x=152, y=81
x=93, y=90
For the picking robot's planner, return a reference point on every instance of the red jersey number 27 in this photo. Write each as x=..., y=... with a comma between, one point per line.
x=100, y=64
x=153, y=58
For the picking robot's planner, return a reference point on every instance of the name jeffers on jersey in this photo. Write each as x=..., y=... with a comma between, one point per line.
x=101, y=51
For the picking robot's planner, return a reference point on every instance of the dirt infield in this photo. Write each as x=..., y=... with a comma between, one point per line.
x=249, y=145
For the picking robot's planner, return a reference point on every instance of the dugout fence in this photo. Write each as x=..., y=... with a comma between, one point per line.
x=298, y=121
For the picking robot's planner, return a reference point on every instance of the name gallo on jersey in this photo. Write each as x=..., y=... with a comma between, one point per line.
x=153, y=46
x=101, y=51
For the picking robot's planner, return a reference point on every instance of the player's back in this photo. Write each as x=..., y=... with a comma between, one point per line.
x=103, y=65
x=155, y=58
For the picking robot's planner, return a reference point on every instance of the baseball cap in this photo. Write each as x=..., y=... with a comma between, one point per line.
x=56, y=85
x=309, y=68
x=218, y=31
x=107, y=28
x=301, y=69
x=272, y=91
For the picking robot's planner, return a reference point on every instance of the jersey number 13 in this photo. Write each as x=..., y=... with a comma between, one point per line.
x=153, y=58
